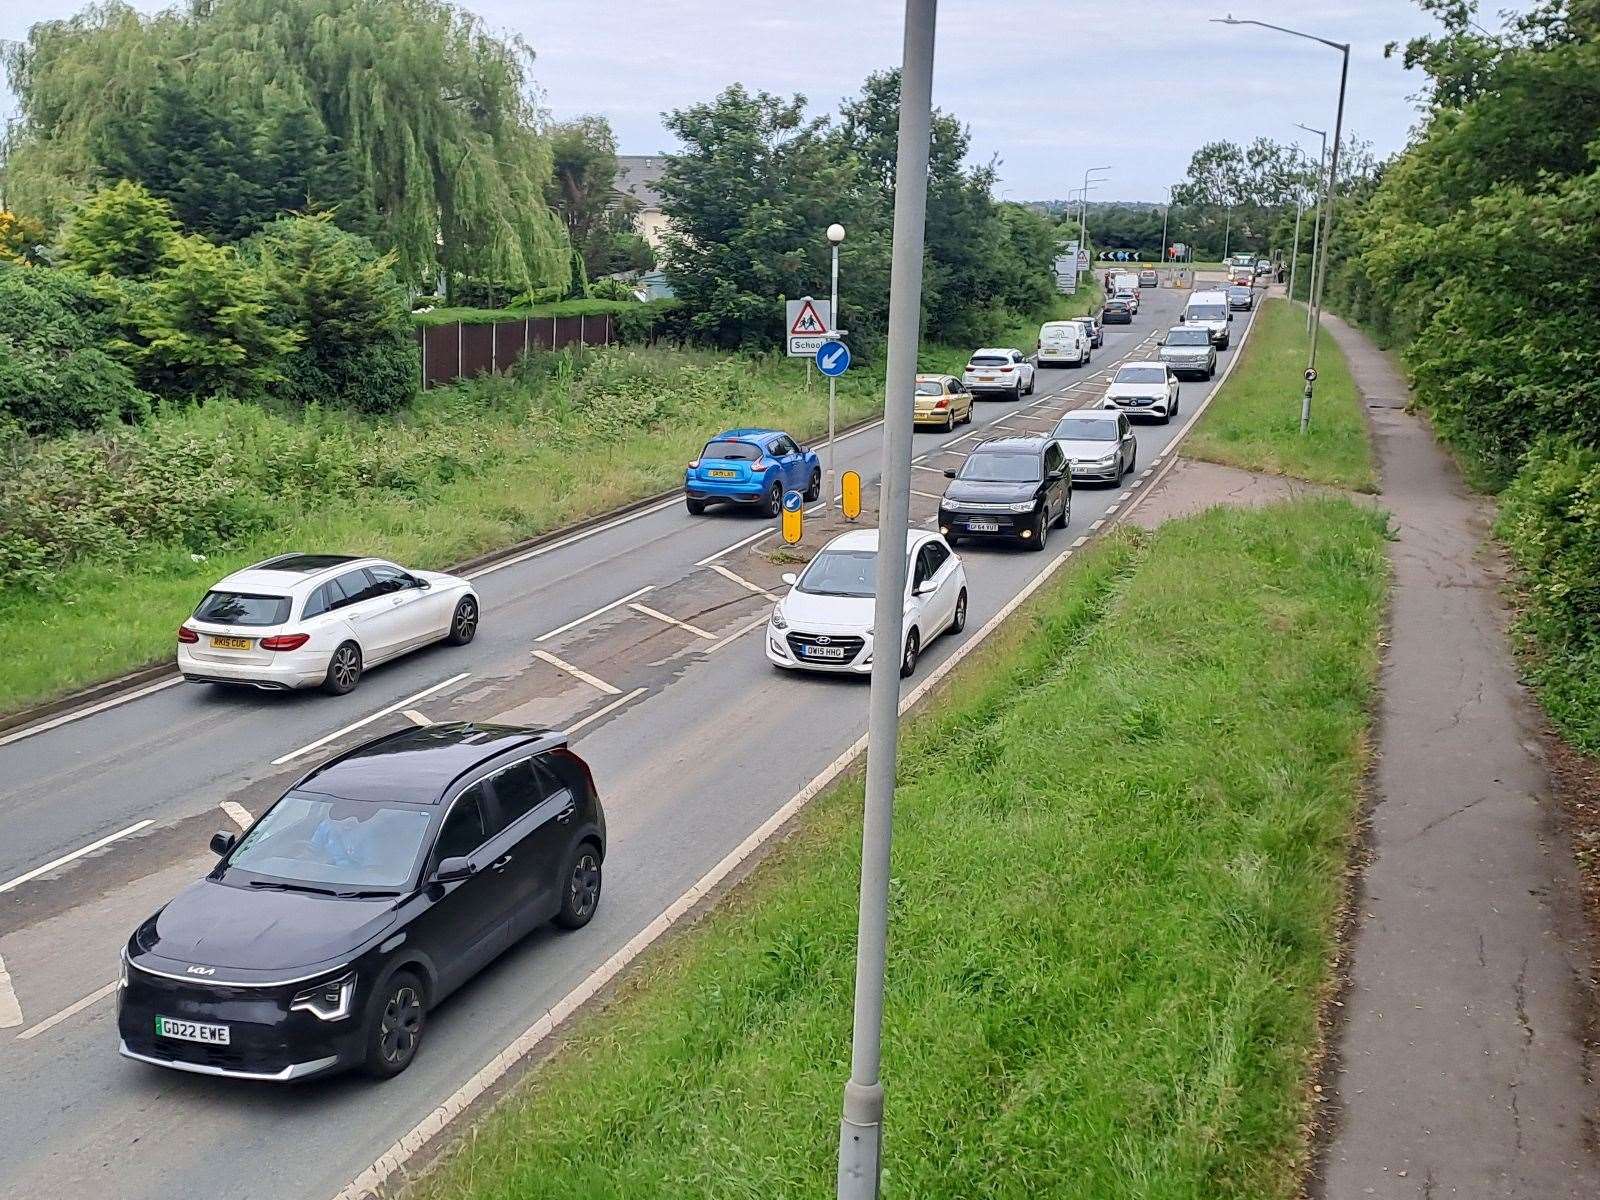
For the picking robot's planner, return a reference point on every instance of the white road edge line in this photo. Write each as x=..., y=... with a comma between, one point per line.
x=608, y=709
x=368, y=720
x=742, y=581
x=745, y=541
x=577, y=673
x=10, y=1010
x=76, y=854
x=27, y=731
x=237, y=813
x=70, y=1010
x=667, y=619
x=589, y=616
x=739, y=633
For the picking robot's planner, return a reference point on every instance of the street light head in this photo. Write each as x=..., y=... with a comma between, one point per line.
x=1227, y=20
x=836, y=233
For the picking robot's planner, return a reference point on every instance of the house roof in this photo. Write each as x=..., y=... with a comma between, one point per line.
x=637, y=175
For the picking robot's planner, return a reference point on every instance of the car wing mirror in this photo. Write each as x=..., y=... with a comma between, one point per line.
x=926, y=588
x=421, y=582
x=223, y=841
x=790, y=578
x=949, y=472
x=451, y=869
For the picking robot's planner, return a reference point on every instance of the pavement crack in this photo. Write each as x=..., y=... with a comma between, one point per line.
x=1520, y=989
x=1456, y=812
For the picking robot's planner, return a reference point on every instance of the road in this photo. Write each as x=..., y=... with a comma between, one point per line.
x=695, y=741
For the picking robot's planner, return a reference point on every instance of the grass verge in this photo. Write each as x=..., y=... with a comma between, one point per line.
x=1254, y=421
x=1120, y=842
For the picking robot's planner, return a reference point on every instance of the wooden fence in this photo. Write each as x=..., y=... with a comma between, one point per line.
x=459, y=350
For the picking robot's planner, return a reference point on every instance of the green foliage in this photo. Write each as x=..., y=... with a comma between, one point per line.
x=410, y=114
x=1551, y=520
x=206, y=325
x=54, y=372
x=121, y=230
x=582, y=190
x=348, y=310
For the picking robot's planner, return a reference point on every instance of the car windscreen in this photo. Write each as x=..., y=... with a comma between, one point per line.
x=997, y=466
x=1141, y=375
x=840, y=573
x=336, y=845
x=1205, y=312
x=242, y=608
x=1116, y=306
x=929, y=387
x=731, y=451
x=1083, y=429
x=988, y=360
x=1188, y=337
x=1239, y=293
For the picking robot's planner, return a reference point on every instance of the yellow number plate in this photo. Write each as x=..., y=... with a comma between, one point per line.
x=715, y=473
x=228, y=643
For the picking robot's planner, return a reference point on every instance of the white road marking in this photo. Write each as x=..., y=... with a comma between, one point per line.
x=237, y=813
x=10, y=1010
x=416, y=718
x=1080, y=541
x=589, y=616
x=76, y=854
x=739, y=633
x=608, y=709
x=926, y=495
x=671, y=620
x=70, y=1010
x=577, y=673
x=1110, y=508
x=368, y=720
x=1097, y=524
x=754, y=537
x=77, y=714
x=742, y=581
x=1125, y=495
x=935, y=470
x=580, y=536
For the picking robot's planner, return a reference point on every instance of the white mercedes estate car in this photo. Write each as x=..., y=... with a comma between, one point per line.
x=306, y=620
x=825, y=622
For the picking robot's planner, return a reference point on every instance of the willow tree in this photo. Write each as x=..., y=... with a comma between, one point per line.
x=435, y=119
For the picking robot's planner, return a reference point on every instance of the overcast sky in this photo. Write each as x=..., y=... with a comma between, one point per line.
x=1052, y=87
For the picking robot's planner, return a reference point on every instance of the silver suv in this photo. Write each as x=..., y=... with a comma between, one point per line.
x=1188, y=351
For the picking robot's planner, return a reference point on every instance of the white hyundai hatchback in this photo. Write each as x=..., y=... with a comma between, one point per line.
x=825, y=622
x=304, y=620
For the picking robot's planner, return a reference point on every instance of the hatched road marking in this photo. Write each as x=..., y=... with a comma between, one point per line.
x=742, y=581
x=670, y=620
x=71, y=1010
x=237, y=813
x=577, y=673
x=354, y=725
x=76, y=854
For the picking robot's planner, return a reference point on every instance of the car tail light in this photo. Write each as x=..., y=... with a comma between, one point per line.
x=187, y=635
x=1006, y=370
x=693, y=463
x=760, y=464
x=285, y=641
x=941, y=404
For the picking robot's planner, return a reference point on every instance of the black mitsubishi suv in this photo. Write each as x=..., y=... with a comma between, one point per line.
x=378, y=884
x=1014, y=487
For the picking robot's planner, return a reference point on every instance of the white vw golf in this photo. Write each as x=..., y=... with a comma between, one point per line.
x=825, y=622
x=303, y=620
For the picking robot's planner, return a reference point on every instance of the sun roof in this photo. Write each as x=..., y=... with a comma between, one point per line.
x=304, y=564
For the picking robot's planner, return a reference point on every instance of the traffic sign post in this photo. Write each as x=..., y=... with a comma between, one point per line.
x=807, y=322
x=793, y=520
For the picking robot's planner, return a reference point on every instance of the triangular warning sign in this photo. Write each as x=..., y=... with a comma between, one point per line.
x=807, y=322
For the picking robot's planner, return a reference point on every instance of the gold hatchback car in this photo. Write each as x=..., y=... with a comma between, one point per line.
x=942, y=400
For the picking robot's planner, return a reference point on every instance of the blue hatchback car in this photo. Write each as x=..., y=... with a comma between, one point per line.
x=751, y=466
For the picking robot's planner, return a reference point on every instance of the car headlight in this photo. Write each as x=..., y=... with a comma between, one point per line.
x=777, y=618
x=1024, y=506
x=1105, y=460
x=331, y=1000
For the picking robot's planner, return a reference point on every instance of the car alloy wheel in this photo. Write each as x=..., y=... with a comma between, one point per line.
x=397, y=1025
x=582, y=895
x=464, y=625
x=775, y=500
x=908, y=661
x=959, y=621
x=344, y=670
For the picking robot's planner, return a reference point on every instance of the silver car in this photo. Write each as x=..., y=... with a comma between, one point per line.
x=1099, y=445
x=1188, y=351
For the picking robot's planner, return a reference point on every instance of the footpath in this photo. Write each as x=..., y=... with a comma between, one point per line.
x=1462, y=1068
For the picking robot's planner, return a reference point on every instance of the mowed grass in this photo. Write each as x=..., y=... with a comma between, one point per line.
x=1254, y=422
x=1119, y=846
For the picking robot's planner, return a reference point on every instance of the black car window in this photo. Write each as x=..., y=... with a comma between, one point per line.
x=242, y=608
x=1122, y=425
x=311, y=838
x=929, y=387
x=730, y=451
x=1087, y=429
x=782, y=446
x=996, y=466
x=464, y=829
x=923, y=571
x=1054, y=460
x=937, y=553
x=318, y=602
x=388, y=580
x=356, y=586
x=521, y=788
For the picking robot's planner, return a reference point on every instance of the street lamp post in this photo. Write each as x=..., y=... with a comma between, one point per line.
x=1166, y=212
x=1083, y=210
x=861, y=1124
x=1320, y=271
x=1294, y=255
x=1227, y=232
x=835, y=236
x=1322, y=208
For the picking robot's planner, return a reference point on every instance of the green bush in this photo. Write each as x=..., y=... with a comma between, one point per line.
x=121, y=230
x=349, y=310
x=652, y=321
x=1550, y=518
x=54, y=372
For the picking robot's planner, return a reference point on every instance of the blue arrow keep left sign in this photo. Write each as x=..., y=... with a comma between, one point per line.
x=833, y=358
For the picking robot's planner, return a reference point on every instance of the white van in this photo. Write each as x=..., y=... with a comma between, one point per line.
x=1209, y=310
x=1062, y=343
x=1125, y=281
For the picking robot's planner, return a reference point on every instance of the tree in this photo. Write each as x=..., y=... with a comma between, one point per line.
x=749, y=198
x=121, y=230
x=206, y=325
x=583, y=191
x=348, y=309
x=434, y=122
